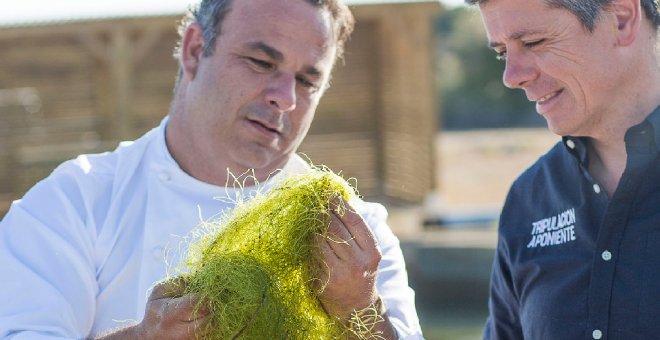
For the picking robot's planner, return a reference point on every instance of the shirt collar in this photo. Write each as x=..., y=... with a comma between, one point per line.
x=165, y=162
x=654, y=121
x=577, y=146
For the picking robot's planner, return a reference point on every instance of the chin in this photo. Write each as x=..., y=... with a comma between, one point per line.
x=558, y=126
x=263, y=162
x=556, y=131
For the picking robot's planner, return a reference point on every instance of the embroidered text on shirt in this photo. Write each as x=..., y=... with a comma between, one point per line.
x=553, y=230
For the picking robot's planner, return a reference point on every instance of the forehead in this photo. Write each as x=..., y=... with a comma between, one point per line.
x=295, y=28
x=511, y=19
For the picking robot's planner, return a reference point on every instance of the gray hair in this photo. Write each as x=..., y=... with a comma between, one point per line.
x=210, y=13
x=588, y=11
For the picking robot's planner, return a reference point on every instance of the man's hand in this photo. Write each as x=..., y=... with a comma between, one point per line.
x=349, y=264
x=169, y=315
x=350, y=257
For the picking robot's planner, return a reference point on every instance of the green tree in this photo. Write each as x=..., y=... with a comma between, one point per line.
x=470, y=78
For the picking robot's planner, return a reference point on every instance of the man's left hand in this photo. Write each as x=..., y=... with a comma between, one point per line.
x=349, y=264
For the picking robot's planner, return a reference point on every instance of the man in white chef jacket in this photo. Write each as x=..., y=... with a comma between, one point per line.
x=81, y=252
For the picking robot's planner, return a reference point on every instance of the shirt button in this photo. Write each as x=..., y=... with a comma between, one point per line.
x=165, y=177
x=570, y=143
x=597, y=188
x=606, y=255
x=597, y=334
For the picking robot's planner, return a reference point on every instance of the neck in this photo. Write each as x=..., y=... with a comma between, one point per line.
x=607, y=161
x=607, y=152
x=197, y=158
x=639, y=96
x=224, y=175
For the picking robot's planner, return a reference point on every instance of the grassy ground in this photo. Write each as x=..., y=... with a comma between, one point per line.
x=452, y=325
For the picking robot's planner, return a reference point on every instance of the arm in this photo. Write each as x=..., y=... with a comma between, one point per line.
x=169, y=315
x=48, y=275
x=49, y=259
x=392, y=280
x=504, y=319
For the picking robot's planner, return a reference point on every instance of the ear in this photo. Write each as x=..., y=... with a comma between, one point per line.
x=192, y=48
x=628, y=18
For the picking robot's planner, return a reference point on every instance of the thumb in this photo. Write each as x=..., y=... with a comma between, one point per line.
x=171, y=288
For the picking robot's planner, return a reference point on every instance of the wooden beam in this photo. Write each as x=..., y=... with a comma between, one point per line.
x=95, y=45
x=407, y=86
x=122, y=71
x=93, y=26
x=146, y=41
x=121, y=52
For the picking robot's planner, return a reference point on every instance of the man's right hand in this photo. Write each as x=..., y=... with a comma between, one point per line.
x=169, y=314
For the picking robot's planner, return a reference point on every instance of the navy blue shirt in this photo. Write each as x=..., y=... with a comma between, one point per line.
x=572, y=263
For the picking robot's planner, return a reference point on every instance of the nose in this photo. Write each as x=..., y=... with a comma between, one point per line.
x=519, y=70
x=282, y=92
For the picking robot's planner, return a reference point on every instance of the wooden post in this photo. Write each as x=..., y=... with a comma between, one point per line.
x=408, y=112
x=121, y=54
x=122, y=70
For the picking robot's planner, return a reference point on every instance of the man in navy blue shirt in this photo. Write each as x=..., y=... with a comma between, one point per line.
x=578, y=254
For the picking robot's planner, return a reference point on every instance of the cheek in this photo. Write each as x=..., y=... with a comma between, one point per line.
x=300, y=123
x=302, y=120
x=305, y=109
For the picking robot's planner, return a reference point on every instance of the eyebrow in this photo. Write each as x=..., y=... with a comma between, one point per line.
x=514, y=36
x=268, y=50
x=276, y=55
x=312, y=71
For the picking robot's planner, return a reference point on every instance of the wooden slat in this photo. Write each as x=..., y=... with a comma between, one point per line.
x=373, y=123
x=352, y=154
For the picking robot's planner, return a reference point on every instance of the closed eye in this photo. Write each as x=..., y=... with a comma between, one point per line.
x=307, y=84
x=304, y=82
x=261, y=64
x=501, y=55
x=533, y=43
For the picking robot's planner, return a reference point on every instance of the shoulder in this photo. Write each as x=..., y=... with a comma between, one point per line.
x=547, y=169
x=94, y=170
x=80, y=185
x=545, y=188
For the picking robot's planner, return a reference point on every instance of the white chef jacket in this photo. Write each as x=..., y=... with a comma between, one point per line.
x=80, y=252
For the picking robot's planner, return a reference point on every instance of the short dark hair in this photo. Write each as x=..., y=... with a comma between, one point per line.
x=588, y=11
x=210, y=13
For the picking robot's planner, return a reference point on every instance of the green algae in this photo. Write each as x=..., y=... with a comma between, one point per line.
x=257, y=270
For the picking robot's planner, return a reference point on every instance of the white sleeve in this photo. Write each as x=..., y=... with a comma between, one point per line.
x=47, y=272
x=392, y=279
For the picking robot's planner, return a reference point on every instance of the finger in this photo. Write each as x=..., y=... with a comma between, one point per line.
x=323, y=264
x=341, y=206
x=337, y=231
x=358, y=228
x=168, y=289
x=198, y=328
x=187, y=308
x=340, y=240
x=202, y=308
x=329, y=254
